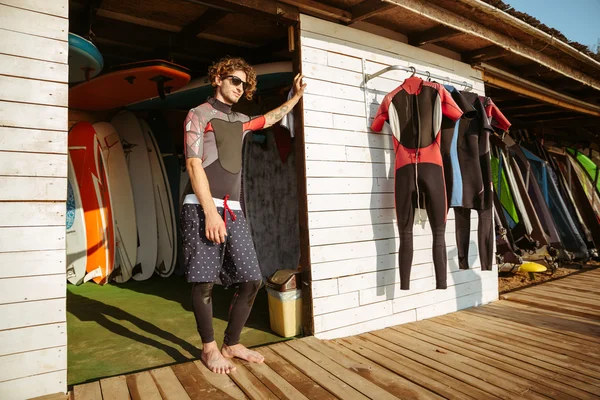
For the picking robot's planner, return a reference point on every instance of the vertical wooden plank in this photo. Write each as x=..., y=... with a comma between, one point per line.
x=250, y=385
x=304, y=232
x=279, y=386
x=196, y=386
x=114, y=388
x=222, y=382
x=88, y=391
x=382, y=377
x=292, y=375
x=142, y=387
x=320, y=375
x=168, y=385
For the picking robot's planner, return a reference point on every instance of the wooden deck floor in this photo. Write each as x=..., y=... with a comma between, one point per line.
x=541, y=342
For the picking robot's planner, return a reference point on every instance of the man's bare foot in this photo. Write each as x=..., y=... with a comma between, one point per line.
x=240, y=351
x=214, y=360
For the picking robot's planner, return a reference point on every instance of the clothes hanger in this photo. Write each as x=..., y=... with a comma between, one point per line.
x=414, y=71
x=428, y=76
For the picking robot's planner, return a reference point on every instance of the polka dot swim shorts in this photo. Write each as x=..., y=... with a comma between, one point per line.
x=205, y=261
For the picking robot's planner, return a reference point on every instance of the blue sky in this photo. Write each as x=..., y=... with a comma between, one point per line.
x=578, y=20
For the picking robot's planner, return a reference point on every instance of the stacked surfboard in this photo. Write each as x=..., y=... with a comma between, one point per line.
x=121, y=219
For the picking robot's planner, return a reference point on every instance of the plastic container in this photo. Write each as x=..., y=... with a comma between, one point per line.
x=285, y=302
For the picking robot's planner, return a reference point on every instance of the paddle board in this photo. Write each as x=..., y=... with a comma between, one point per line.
x=76, y=237
x=122, y=197
x=86, y=155
x=138, y=165
x=166, y=228
x=198, y=90
x=85, y=61
x=128, y=83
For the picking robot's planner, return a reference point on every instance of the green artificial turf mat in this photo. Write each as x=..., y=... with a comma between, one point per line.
x=117, y=329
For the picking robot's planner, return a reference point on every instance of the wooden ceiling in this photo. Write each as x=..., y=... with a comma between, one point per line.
x=194, y=33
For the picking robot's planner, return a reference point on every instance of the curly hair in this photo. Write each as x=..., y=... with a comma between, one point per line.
x=226, y=66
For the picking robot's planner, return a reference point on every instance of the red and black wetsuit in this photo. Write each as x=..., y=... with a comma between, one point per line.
x=414, y=111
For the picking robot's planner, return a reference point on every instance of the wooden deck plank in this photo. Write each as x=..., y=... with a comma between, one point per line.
x=475, y=373
x=560, y=298
x=575, y=379
x=578, y=298
x=371, y=371
x=535, y=337
x=576, y=326
x=353, y=379
x=575, y=289
x=569, y=346
x=294, y=376
x=250, y=385
x=542, y=330
x=549, y=304
x=194, y=383
x=221, y=382
x=500, y=367
x=327, y=380
x=169, y=386
x=88, y=391
x=546, y=355
x=281, y=388
x=512, y=361
x=115, y=388
x=142, y=387
x=423, y=375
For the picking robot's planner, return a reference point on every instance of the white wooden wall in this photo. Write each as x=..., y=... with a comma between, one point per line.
x=33, y=186
x=350, y=184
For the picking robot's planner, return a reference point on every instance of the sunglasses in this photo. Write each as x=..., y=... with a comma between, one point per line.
x=235, y=81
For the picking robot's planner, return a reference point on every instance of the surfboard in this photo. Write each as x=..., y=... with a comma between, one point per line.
x=138, y=165
x=128, y=83
x=164, y=138
x=76, y=236
x=85, y=61
x=86, y=155
x=269, y=75
x=166, y=228
x=122, y=197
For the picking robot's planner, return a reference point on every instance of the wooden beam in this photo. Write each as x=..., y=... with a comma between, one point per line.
x=461, y=23
x=523, y=106
x=535, y=113
x=320, y=9
x=509, y=20
x=547, y=96
x=433, y=35
x=534, y=69
x=210, y=18
x=484, y=54
x=367, y=9
x=162, y=42
x=268, y=9
x=558, y=123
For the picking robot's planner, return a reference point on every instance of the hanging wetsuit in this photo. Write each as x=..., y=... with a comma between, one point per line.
x=477, y=158
x=414, y=111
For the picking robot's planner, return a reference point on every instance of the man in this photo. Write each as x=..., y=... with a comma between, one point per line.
x=216, y=238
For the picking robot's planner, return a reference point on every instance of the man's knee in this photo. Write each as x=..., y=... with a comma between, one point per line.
x=203, y=292
x=249, y=290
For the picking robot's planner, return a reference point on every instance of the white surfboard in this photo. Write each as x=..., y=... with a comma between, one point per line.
x=138, y=164
x=122, y=200
x=76, y=237
x=166, y=228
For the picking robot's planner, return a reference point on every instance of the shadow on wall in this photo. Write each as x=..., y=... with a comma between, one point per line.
x=381, y=205
x=468, y=287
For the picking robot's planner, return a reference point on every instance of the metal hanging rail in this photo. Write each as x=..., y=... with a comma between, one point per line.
x=368, y=77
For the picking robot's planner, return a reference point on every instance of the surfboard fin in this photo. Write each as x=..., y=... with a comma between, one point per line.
x=92, y=274
x=161, y=267
x=160, y=85
x=137, y=269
